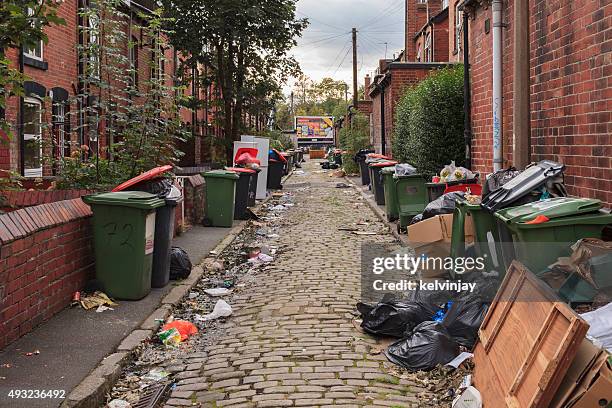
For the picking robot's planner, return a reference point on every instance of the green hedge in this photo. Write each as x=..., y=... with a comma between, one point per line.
x=429, y=123
x=352, y=139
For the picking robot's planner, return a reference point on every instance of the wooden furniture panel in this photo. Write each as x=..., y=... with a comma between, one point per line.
x=527, y=341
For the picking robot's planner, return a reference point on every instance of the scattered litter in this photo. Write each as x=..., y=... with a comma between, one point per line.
x=184, y=328
x=365, y=233
x=272, y=236
x=298, y=172
x=467, y=380
x=470, y=398
x=156, y=374
x=180, y=264
x=95, y=300
x=342, y=185
x=278, y=207
x=170, y=337
x=350, y=229
x=457, y=361
x=261, y=258
x=338, y=174
x=32, y=353
x=119, y=403
x=216, y=292
x=193, y=295
x=600, y=331
x=103, y=308
x=222, y=309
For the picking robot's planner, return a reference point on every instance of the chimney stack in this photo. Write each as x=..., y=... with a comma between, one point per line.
x=368, y=82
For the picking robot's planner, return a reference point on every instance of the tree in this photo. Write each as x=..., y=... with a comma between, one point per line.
x=22, y=24
x=243, y=42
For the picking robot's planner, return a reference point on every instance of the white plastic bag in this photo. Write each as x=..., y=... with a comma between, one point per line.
x=221, y=309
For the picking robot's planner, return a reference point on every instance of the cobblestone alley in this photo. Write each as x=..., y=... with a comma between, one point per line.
x=291, y=340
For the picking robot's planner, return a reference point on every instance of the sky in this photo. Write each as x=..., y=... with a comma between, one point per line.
x=325, y=47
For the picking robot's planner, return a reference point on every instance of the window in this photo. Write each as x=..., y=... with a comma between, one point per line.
x=94, y=46
x=444, y=4
x=32, y=135
x=428, y=53
x=133, y=58
x=419, y=53
x=61, y=131
x=36, y=52
x=458, y=27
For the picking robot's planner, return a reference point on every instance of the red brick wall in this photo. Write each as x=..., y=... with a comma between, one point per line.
x=61, y=56
x=570, y=90
x=46, y=254
x=416, y=17
x=453, y=55
x=14, y=200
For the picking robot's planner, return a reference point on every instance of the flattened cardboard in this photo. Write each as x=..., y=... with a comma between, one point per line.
x=595, y=389
x=584, y=361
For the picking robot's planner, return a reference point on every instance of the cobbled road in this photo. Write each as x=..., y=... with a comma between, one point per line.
x=291, y=340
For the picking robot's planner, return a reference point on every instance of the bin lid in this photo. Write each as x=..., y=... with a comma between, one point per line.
x=531, y=179
x=221, y=174
x=134, y=199
x=240, y=170
x=280, y=156
x=551, y=208
x=251, y=151
x=148, y=175
x=384, y=164
x=378, y=156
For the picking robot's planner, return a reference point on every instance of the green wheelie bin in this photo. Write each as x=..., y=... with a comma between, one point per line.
x=391, y=207
x=485, y=234
x=377, y=181
x=411, y=197
x=220, y=197
x=124, y=238
x=545, y=230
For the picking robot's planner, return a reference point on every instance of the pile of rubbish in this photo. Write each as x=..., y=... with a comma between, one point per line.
x=451, y=172
x=432, y=327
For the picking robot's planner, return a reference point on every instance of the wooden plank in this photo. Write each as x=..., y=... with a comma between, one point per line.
x=528, y=340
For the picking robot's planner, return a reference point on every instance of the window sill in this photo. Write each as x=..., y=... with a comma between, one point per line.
x=34, y=63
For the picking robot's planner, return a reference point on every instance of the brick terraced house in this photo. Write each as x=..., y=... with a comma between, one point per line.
x=55, y=74
x=566, y=87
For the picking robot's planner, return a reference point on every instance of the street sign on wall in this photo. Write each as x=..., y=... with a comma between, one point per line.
x=319, y=128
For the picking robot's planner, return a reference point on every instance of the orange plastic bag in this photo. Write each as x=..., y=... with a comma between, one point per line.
x=185, y=328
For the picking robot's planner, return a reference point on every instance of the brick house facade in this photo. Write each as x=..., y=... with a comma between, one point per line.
x=54, y=73
x=571, y=94
x=386, y=90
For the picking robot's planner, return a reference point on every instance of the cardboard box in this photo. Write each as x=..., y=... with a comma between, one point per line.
x=432, y=238
x=437, y=229
x=588, y=381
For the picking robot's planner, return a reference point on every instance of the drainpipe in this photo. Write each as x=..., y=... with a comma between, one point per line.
x=467, y=95
x=497, y=85
x=383, y=143
x=20, y=141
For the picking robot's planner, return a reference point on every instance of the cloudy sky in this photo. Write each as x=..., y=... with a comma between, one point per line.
x=325, y=47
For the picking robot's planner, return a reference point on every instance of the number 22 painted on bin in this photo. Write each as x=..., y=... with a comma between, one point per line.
x=126, y=231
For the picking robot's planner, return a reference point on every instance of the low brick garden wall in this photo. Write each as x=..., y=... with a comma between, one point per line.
x=14, y=200
x=46, y=254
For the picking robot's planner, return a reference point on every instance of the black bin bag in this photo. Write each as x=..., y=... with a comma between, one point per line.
x=180, y=264
x=427, y=346
x=463, y=320
x=394, y=318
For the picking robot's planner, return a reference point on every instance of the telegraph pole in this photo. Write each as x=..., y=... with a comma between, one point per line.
x=355, y=95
